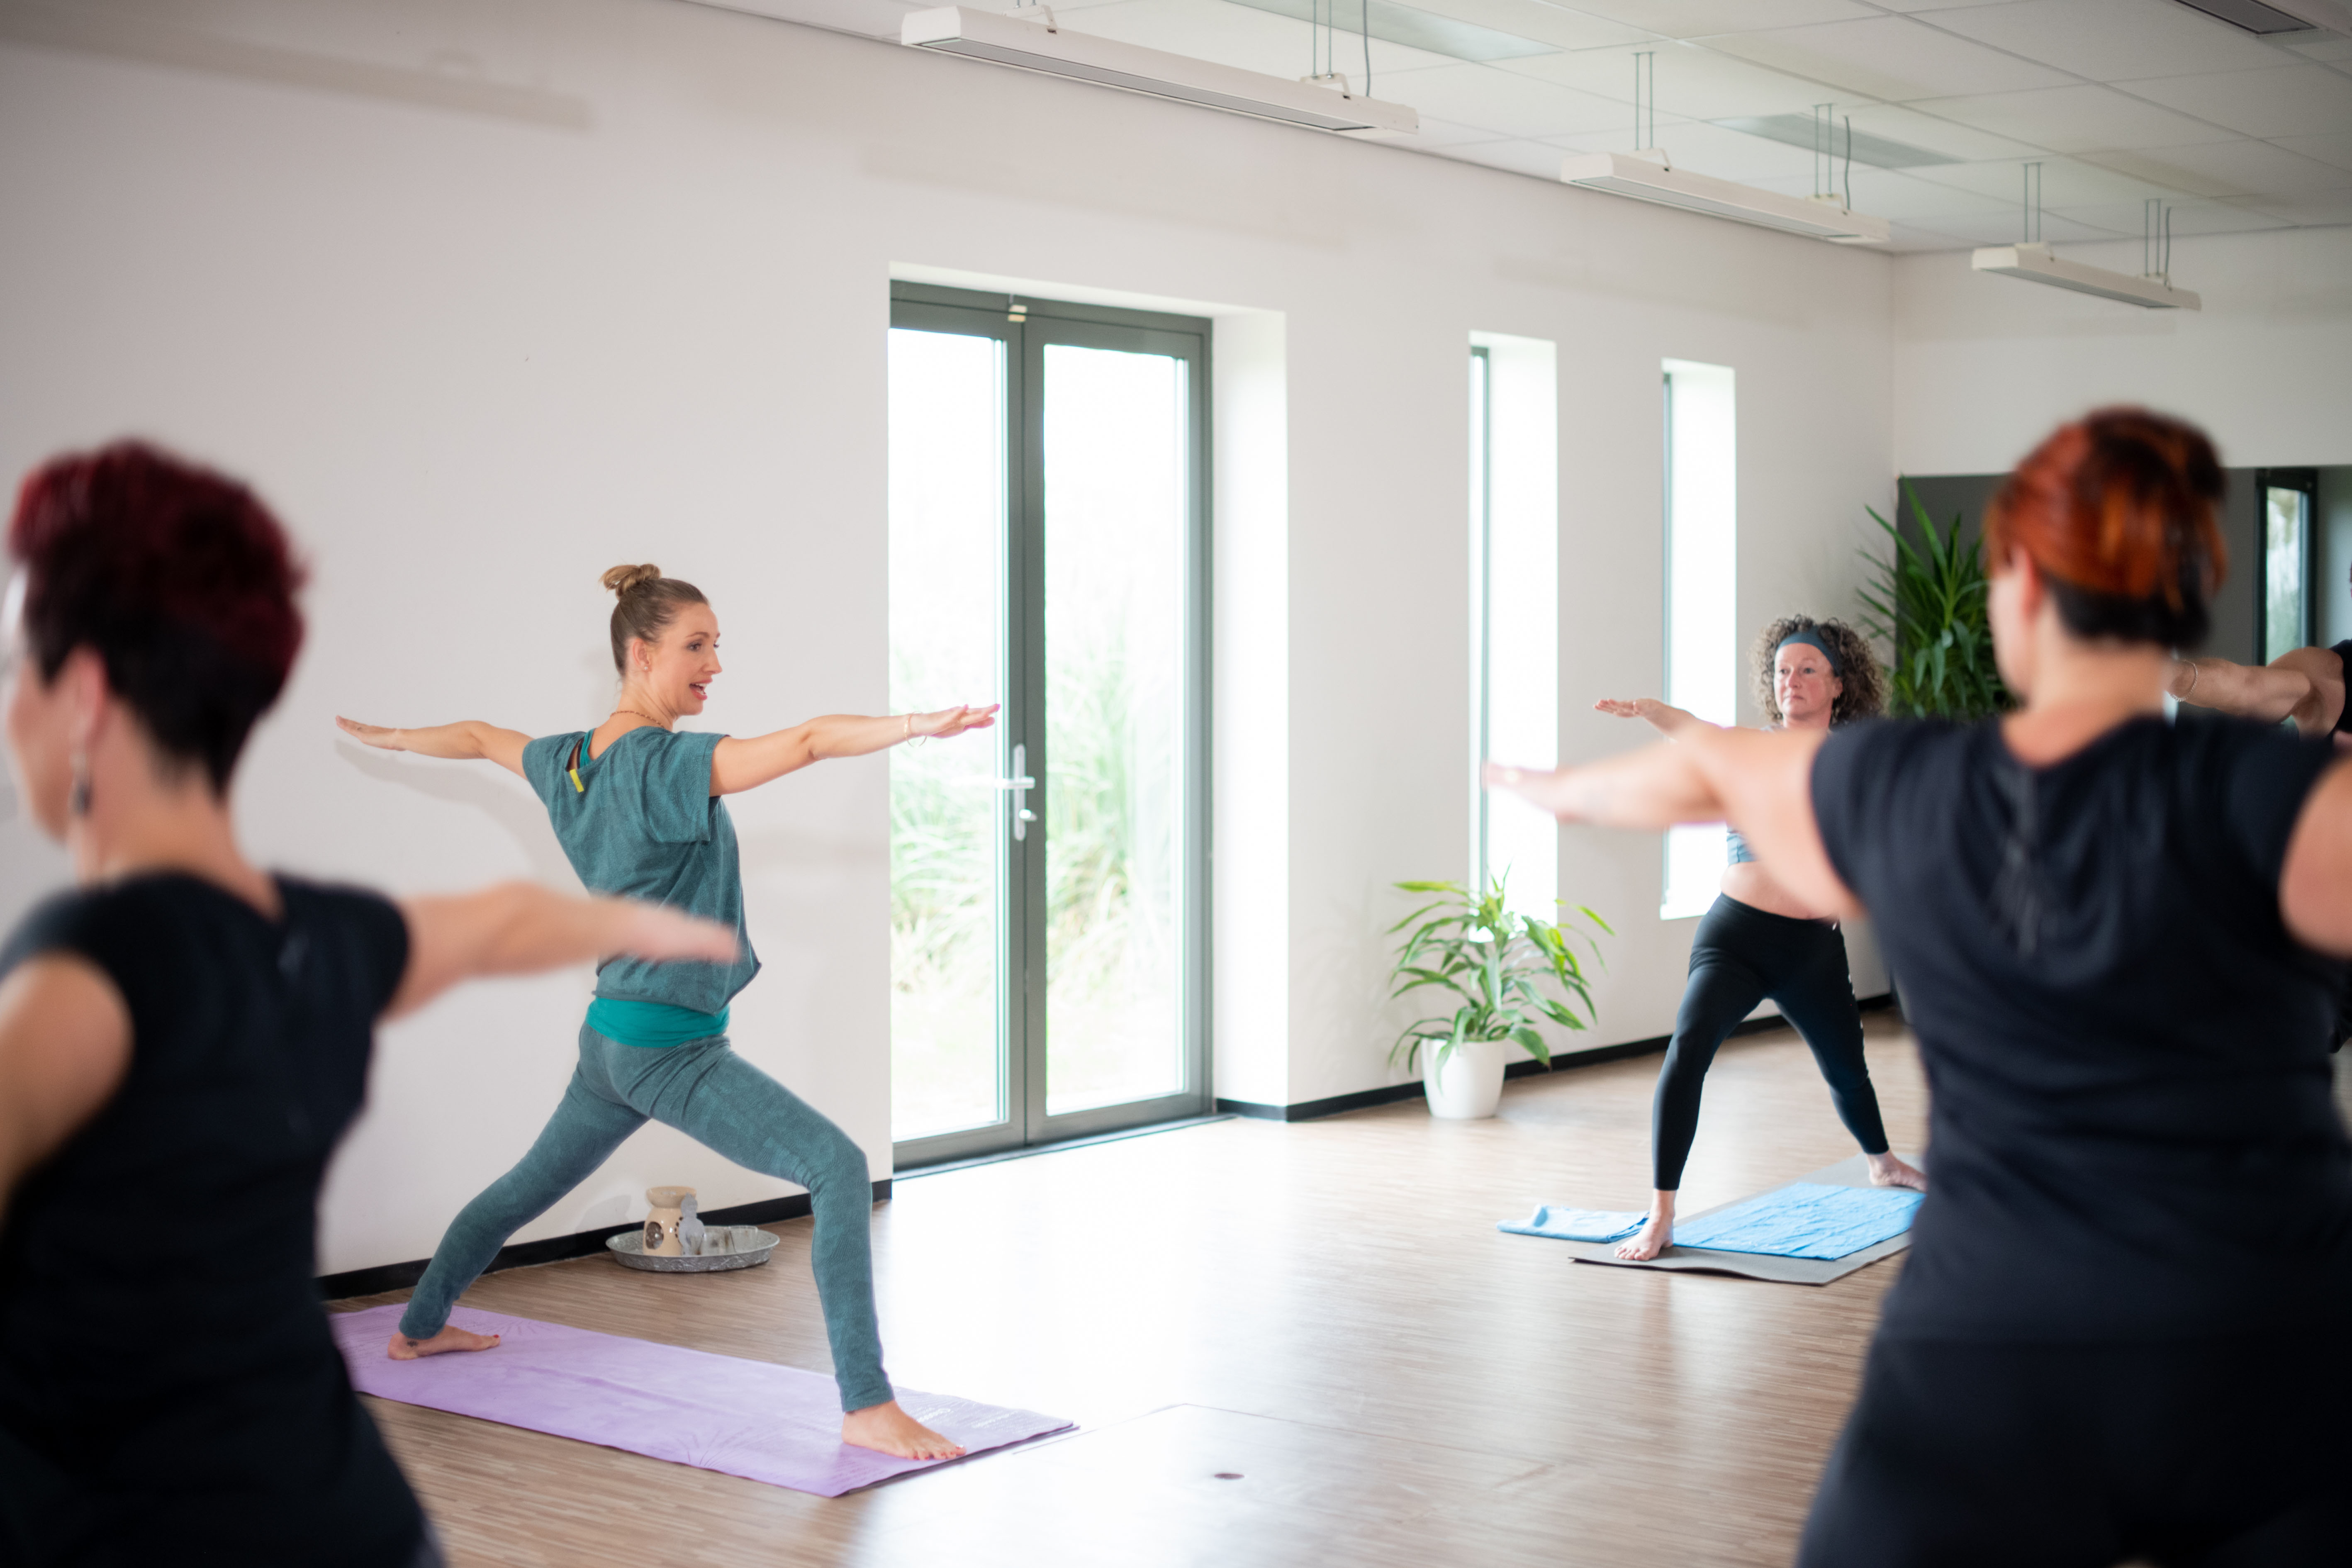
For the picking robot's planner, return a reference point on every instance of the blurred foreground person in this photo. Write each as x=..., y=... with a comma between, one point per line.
x=183, y=1039
x=2119, y=1335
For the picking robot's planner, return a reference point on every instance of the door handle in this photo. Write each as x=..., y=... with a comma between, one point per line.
x=1019, y=784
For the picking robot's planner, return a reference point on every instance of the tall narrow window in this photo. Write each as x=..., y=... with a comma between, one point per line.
x=1514, y=588
x=1702, y=594
x=2286, y=495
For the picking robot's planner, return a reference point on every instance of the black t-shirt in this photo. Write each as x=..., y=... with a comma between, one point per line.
x=2133, y=1134
x=169, y=1391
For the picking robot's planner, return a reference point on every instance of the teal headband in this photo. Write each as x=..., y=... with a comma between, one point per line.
x=1813, y=638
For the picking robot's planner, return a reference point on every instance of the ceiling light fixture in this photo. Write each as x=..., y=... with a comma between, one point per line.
x=2034, y=263
x=1042, y=45
x=2279, y=17
x=2031, y=258
x=1660, y=181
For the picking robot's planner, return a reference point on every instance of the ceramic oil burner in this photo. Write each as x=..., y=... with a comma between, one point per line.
x=661, y=1226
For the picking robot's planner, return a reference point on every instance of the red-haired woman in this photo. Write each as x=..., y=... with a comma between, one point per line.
x=2120, y=1330
x=184, y=1039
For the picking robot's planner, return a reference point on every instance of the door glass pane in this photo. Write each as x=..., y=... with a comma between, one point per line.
x=2282, y=526
x=1114, y=502
x=947, y=592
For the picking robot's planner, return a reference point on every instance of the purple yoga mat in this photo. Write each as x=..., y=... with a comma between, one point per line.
x=751, y=1419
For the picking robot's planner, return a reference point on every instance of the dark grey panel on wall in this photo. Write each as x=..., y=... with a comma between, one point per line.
x=2237, y=608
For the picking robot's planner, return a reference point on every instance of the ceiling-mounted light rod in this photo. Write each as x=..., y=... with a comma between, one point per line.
x=1054, y=50
x=2034, y=263
x=1645, y=181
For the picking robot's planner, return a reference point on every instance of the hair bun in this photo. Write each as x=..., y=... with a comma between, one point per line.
x=621, y=579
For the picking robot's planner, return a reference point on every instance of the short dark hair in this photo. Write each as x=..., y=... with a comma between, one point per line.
x=177, y=578
x=2116, y=510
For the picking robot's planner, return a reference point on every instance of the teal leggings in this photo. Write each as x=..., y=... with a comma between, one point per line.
x=715, y=1097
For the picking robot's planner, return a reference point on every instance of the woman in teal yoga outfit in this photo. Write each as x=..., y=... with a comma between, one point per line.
x=635, y=804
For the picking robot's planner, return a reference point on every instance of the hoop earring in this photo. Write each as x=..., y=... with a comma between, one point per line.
x=78, y=797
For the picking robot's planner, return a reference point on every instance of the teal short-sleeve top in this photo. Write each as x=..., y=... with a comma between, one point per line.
x=640, y=821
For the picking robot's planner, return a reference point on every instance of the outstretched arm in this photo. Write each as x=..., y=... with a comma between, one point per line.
x=469, y=739
x=1760, y=781
x=2269, y=692
x=1665, y=718
x=738, y=765
x=520, y=927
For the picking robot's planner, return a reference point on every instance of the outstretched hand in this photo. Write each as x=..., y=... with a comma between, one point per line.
x=374, y=735
x=949, y=721
x=1619, y=707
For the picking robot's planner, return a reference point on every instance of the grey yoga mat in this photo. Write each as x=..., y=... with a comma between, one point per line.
x=1852, y=1172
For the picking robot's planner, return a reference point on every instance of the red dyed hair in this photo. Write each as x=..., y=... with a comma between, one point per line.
x=177, y=577
x=2119, y=505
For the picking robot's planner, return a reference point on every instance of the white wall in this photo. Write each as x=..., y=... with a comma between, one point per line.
x=489, y=296
x=1985, y=365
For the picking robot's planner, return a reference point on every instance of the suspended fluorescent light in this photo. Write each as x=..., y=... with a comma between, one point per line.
x=1044, y=45
x=1645, y=181
x=2035, y=263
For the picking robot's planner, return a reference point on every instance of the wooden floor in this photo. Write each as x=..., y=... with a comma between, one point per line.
x=1324, y=1310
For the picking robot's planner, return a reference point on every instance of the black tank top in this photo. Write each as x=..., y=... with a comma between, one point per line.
x=169, y=1391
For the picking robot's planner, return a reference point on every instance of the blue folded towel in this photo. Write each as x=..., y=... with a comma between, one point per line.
x=1576, y=1224
x=1802, y=1220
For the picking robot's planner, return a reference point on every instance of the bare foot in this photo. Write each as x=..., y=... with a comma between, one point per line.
x=887, y=1429
x=1657, y=1231
x=1888, y=1170
x=451, y=1338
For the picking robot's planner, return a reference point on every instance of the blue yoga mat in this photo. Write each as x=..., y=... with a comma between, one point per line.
x=1802, y=1220
x=1576, y=1224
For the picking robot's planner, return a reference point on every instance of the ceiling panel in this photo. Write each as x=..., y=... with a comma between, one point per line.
x=2065, y=183
x=1544, y=23
x=1953, y=211
x=1697, y=84
x=1436, y=134
x=1501, y=101
x=2257, y=168
x=2335, y=149
x=2080, y=119
x=2290, y=100
x=1965, y=142
x=2194, y=218
x=2319, y=45
x=2320, y=211
x=1693, y=18
x=2111, y=40
x=1890, y=58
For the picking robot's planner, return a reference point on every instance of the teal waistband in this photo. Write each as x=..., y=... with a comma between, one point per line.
x=652, y=1023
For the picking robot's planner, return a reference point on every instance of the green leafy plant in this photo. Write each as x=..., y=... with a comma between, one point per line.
x=1927, y=602
x=1489, y=958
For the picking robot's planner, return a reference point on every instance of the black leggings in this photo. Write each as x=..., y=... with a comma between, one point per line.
x=2207, y=1452
x=1741, y=956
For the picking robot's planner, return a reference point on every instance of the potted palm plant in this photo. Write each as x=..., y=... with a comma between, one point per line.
x=1488, y=960
x=1927, y=601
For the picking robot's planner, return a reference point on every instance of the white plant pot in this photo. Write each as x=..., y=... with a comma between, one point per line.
x=1470, y=1084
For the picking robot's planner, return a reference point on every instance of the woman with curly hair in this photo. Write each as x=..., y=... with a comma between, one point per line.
x=1759, y=940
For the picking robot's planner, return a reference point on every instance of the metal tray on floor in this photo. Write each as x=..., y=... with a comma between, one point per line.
x=725, y=1246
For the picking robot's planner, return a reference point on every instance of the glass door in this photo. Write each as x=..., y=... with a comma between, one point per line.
x=2288, y=497
x=1049, y=883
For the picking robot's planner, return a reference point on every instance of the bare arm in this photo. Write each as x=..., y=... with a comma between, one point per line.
x=1665, y=718
x=520, y=927
x=1760, y=781
x=2269, y=692
x=466, y=740
x=2315, y=883
x=65, y=1046
x=738, y=765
